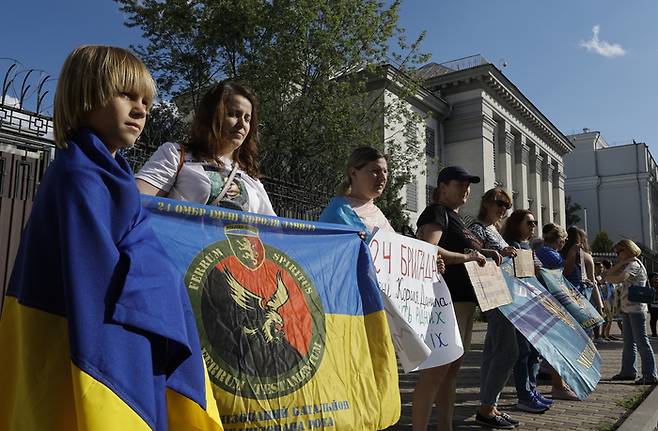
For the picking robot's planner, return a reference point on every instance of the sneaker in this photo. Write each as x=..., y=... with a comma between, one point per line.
x=531, y=406
x=509, y=419
x=647, y=381
x=542, y=399
x=495, y=422
x=621, y=378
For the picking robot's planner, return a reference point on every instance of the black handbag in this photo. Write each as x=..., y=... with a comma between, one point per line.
x=645, y=294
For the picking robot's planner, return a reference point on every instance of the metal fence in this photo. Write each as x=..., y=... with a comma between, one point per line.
x=299, y=198
x=26, y=148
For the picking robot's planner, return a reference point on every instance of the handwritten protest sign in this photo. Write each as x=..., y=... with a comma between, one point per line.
x=489, y=285
x=524, y=264
x=417, y=301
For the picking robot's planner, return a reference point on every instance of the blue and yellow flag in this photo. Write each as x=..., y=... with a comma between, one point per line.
x=551, y=329
x=97, y=331
x=290, y=318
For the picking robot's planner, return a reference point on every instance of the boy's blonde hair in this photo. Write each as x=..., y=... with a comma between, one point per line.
x=91, y=76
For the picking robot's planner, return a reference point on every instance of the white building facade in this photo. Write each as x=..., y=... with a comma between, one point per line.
x=617, y=185
x=493, y=131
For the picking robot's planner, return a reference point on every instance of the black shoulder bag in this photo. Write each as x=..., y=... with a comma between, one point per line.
x=642, y=293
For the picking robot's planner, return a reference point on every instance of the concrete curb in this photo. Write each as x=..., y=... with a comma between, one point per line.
x=645, y=416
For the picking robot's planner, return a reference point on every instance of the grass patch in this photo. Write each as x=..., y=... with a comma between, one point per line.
x=634, y=400
x=606, y=427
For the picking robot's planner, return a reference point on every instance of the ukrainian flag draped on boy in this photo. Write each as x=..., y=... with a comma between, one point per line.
x=290, y=317
x=97, y=331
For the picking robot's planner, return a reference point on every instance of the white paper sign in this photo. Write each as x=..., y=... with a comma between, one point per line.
x=416, y=300
x=489, y=285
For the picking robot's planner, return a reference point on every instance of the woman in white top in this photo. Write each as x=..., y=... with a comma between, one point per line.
x=218, y=165
x=630, y=271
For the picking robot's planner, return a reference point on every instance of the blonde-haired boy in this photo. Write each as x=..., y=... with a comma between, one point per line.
x=97, y=330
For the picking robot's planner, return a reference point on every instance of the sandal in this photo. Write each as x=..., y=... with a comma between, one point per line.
x=564, y=394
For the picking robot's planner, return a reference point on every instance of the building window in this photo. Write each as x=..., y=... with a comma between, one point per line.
x=412, y=195
x=428, y=194
x=430, y=142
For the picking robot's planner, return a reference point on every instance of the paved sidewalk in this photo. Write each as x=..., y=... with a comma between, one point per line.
x=603, y=408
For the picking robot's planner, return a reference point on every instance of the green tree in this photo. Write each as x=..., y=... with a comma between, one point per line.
x=602, y=243
x=572, y=210
x=314, y=65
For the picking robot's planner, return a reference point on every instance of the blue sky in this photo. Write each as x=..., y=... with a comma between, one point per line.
x=539, y=40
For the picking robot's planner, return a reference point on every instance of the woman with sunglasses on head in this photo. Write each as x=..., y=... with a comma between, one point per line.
x=500, y=345
x=518, y=230
x=629, y=271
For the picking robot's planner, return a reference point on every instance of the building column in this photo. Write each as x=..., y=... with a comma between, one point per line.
x=547, y=190
x=534, y=191
x=521, y=156
x=504, y=166
x=559, y=211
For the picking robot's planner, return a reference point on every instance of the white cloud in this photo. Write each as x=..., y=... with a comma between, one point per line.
x=601, y=47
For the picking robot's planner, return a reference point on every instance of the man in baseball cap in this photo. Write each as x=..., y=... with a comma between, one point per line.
x=456, y=173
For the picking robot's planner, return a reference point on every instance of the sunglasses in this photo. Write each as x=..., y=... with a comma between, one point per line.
x=532, y=223
x=502, y=203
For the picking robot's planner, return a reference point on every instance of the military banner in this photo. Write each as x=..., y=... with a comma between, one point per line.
x=417, y=301
x=553, y=331
x=579, y=306
x=291, y=322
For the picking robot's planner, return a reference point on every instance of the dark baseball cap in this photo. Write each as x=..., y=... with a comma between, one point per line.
x=456, y=173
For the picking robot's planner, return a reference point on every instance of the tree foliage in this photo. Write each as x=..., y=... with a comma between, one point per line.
x=602, y=243
x=314, y=64
x=165, y=124
x=572, y=210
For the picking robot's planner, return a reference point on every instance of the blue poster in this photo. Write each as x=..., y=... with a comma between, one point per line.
x=553, y=331
x=577, y=304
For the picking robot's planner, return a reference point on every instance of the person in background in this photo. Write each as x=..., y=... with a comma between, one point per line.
x=581, y=273
x=615, y=301
x=629, y=271
x=500, y=344
x=606, y=292
x=549, y=255
x=440, y=224
x=518, y=230
x=366, y=175
x=653, y=307
x=218, y=165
